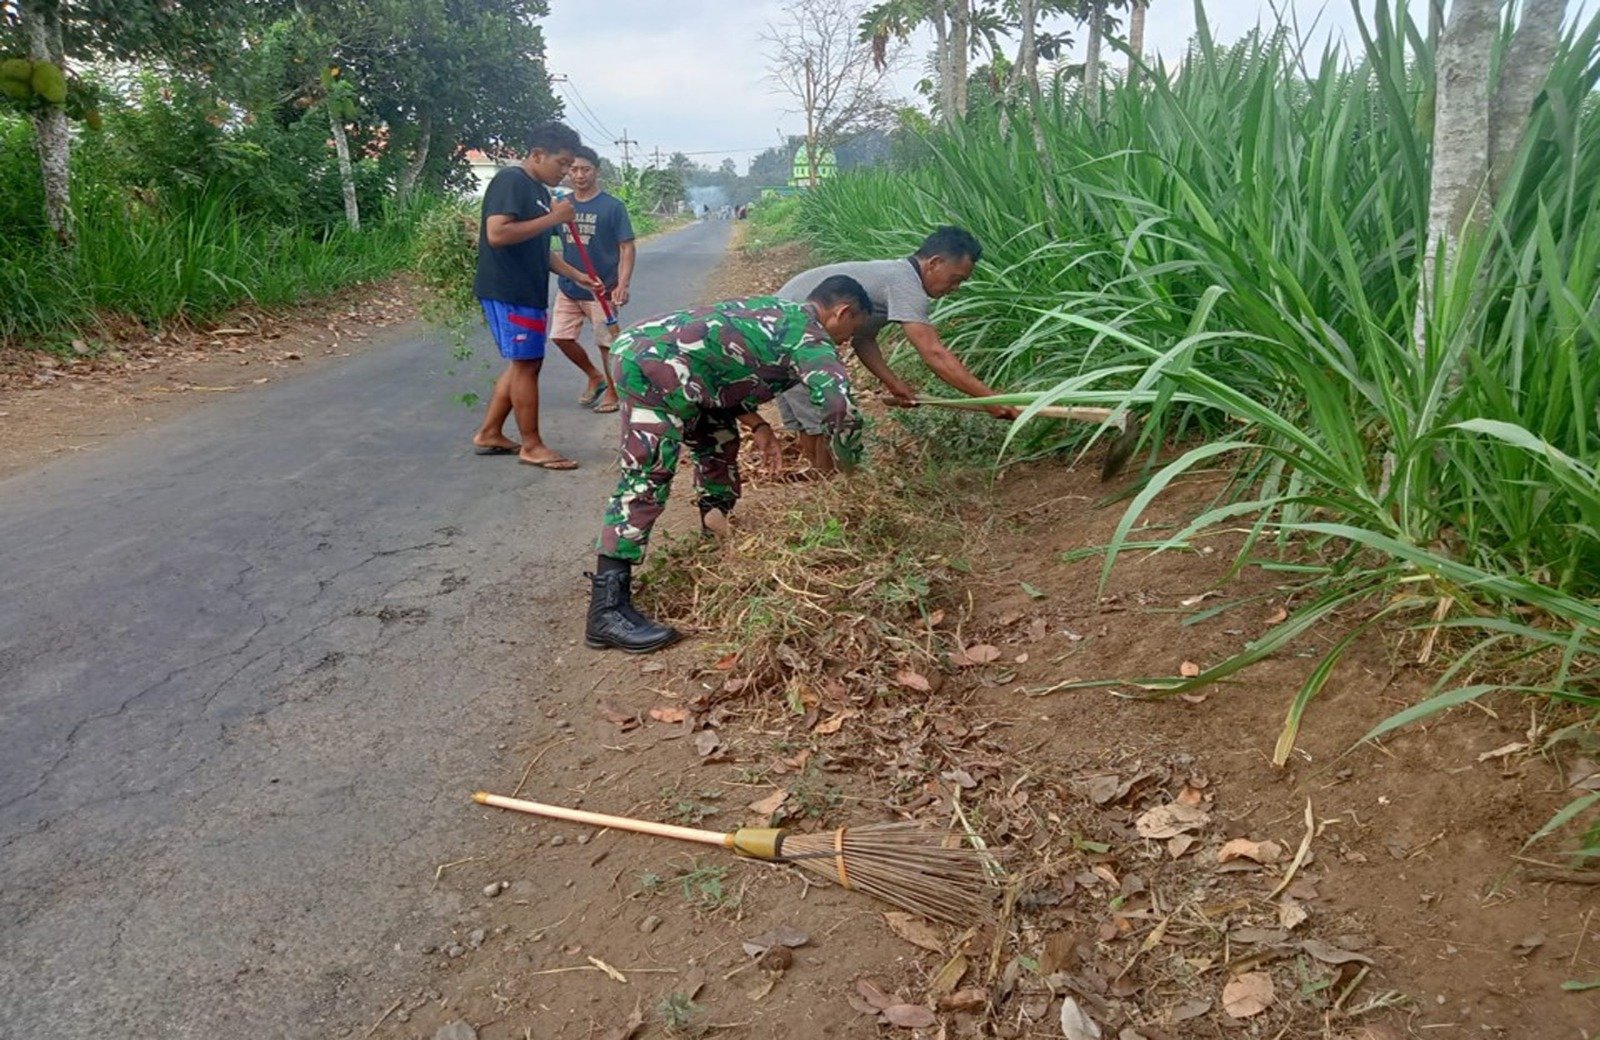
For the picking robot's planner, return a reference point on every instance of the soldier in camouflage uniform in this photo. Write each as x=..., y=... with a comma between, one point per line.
x=691, y=379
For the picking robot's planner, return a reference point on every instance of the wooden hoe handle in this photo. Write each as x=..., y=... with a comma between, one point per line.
x=594, y=819
x=1051, y=411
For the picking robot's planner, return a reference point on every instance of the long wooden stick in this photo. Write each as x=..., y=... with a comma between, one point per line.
x=1050, y=411
x=594, y=819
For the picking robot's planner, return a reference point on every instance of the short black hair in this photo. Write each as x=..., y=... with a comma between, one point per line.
x=554, y=137
x=841, y=288
x=587, y=154
x=952, y=243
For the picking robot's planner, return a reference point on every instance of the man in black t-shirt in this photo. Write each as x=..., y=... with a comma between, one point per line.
x=513, y=285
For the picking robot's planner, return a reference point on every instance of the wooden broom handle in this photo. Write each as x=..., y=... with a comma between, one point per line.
x=1049, y=411
x=594, y=819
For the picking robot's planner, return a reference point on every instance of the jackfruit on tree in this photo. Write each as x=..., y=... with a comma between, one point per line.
x=49, y=83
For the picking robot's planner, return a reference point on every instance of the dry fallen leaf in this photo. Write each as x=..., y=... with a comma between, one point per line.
x=1188, y=669
x=913, y=680
x=763, y=986
x=961, y=778
x=909, y=1016
x=782, y=935
x=913, y=930
x=949, y=976
x=706, y=742
x=1278, y=617
x=1291, y=915
x=1076, y=1023
x=1169, y=821
x=665, y=713
x=1264, y=852
x=833, y=724
x=973, y=999
x=1060, y=953
x=1178, y=844
x=770, y=804
x=617, y=717
x=1330, y=954
x=874, y=995
x=1189, y=1009
x=1247, y=995
x=977, y=654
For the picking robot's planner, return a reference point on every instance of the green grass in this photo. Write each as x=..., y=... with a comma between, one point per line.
x=191, y=260
x=1235, y=250
x=773, y=222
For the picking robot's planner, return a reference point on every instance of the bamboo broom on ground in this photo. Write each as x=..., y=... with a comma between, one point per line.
x=902, y=864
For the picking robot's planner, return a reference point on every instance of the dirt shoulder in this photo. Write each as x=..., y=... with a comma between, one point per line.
x=53, y=405
x=910, y=646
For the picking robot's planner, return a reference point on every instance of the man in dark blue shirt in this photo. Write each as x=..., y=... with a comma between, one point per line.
x=607, y=234
x=513, y=284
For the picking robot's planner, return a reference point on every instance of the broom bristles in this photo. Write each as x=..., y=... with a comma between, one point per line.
x=902, y=864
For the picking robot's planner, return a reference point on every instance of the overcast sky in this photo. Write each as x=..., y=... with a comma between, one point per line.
x=690, y=75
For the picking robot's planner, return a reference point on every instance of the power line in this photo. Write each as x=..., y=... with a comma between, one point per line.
x=590, y=121
x=581, y=102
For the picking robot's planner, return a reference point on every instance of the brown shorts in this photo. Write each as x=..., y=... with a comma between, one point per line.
x=568, y=316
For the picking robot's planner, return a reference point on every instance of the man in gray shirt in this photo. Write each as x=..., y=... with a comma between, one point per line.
x=901, y=291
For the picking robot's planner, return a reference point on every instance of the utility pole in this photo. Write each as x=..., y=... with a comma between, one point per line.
x=626, y=142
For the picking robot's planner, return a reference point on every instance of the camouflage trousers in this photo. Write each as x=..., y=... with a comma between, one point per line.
x=653, y=440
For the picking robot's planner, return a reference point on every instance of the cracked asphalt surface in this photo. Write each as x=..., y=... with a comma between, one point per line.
x=252, y=663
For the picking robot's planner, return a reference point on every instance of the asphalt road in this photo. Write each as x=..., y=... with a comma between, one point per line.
x=253, y=661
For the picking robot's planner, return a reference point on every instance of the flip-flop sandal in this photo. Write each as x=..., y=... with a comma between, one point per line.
x=607, y=409
x=588, y=400
x=557, y=463
x=495, y=449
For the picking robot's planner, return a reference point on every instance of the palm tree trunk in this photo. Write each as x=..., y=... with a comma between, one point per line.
x=1026, y=69
x=960, y=44
x=1091, y=60
x=1135, y=39
x=1522, y=74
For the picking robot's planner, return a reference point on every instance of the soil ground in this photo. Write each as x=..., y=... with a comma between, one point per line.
x=1408, y=915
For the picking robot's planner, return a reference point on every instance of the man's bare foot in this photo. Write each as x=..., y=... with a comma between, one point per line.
x=498, y=444
x=546, y=459
x=717, y=524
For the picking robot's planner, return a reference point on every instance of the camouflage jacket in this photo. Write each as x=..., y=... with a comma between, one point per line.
x=732, y=356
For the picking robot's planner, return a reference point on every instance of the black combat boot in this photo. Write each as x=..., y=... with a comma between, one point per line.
x=612, y=619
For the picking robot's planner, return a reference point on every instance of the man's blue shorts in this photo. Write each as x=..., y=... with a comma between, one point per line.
x=518, y=331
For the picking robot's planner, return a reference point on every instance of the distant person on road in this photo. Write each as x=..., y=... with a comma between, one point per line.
x=607, y=234
x=692, y=379
x=513, y=284
x=901, y=292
